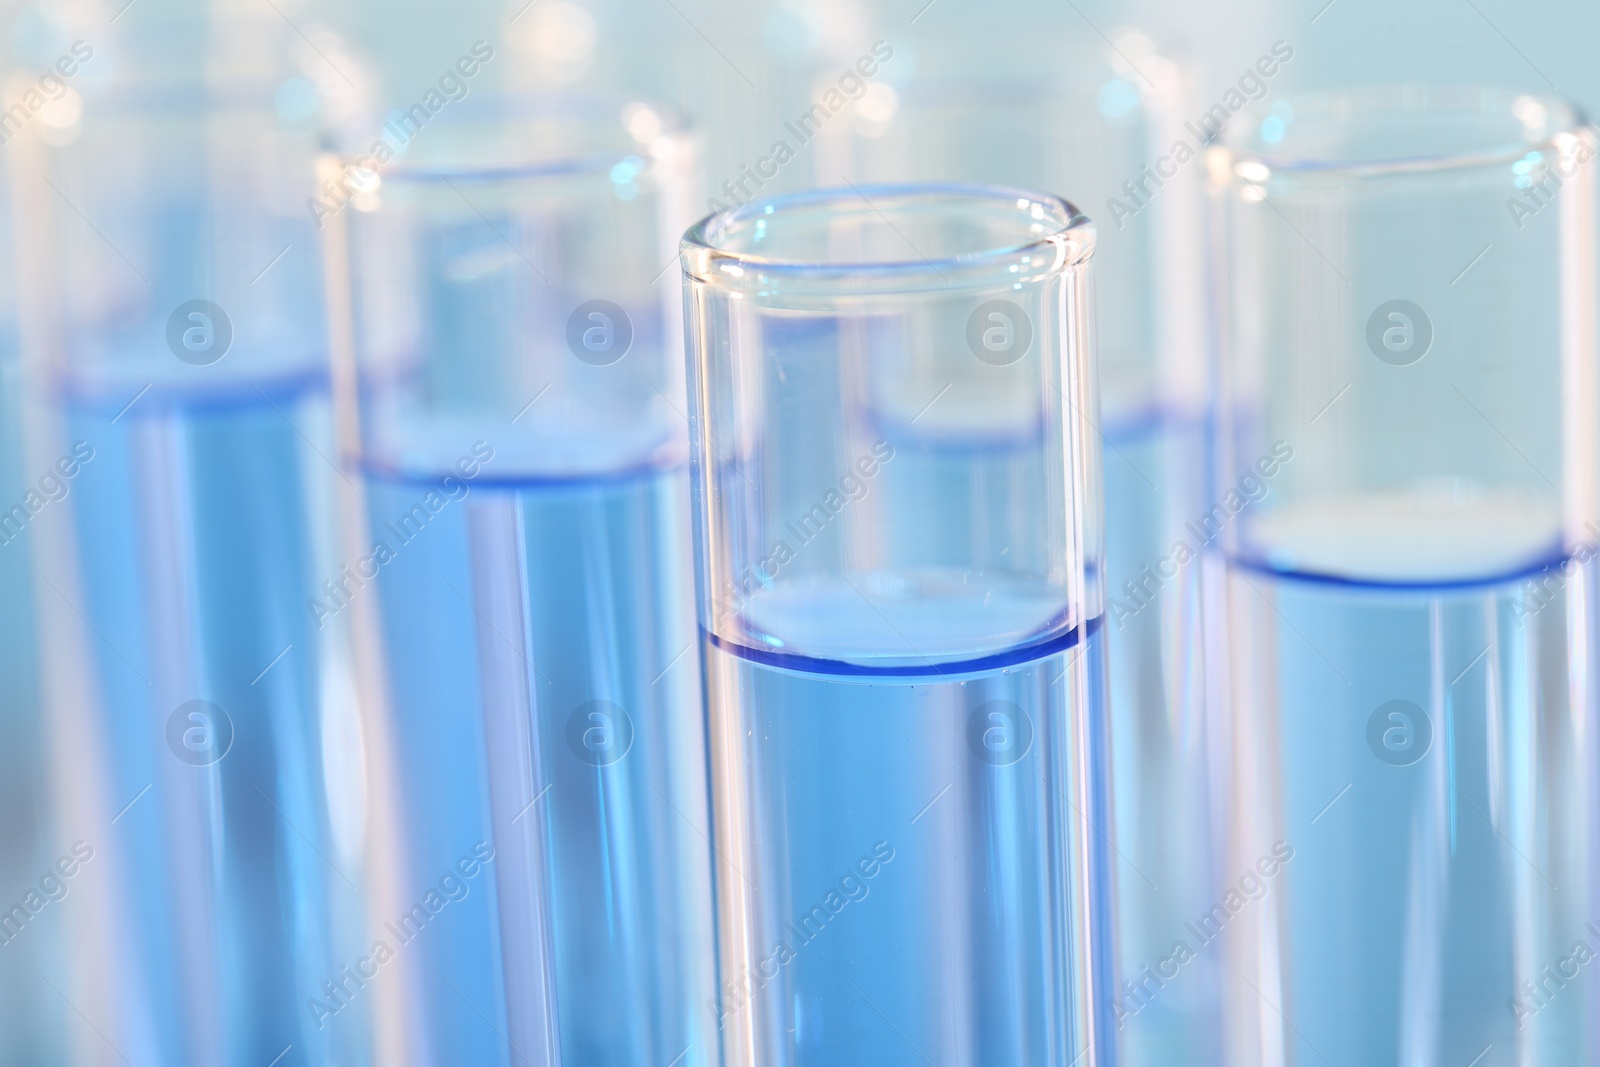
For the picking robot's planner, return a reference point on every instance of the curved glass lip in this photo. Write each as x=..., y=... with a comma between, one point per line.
x=596, y=110
x=1032, y=91
x=185, y=99
x=706, y=261
x=1245, y=162
x=1063, y=86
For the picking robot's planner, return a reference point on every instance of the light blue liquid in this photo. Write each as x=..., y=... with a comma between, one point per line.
x=1165, y=862
x=1426, y=885
x=572, y=599
x=198, y=523
x=903, y=859
x=907, y=733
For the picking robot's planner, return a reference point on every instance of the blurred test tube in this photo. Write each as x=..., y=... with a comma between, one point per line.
x=511, y=393
x=178, y=331
x=1408, y=352
x=1100, y=127
x=34, y=834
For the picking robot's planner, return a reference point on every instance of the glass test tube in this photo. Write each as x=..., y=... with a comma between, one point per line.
x=178, y=321
x=903, y=667
x=1409, y=365
x=513, y=397
x=33, y=946
x=1103, y=127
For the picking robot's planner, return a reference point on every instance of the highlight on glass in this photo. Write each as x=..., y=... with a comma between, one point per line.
x=174, y=318
x=511, y=399
x=1409, y=439
x=899, y=534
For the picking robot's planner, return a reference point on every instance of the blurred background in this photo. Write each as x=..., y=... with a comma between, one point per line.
x=741, y=72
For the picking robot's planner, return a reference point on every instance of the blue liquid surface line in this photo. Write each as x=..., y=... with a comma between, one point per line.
x=1135, y=426
x=1555, y=560
x=815, y=665
x=171, y=398
x=391, y=474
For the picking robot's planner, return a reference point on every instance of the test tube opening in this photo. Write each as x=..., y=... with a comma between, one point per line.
x=1389, y=248
x=932, y=316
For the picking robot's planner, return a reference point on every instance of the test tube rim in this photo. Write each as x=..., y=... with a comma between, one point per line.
x=675, y=134
x=1026, y=91
x=139, y=110
x=1070, y=244
x=1235, y=159
x=184, y=98
x=1062, y=87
